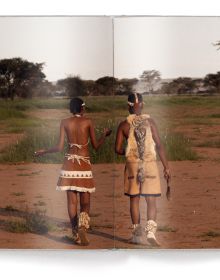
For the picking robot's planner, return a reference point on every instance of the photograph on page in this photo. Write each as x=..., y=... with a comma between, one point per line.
x=109, y=132
x=57, y=164
x=171, y=177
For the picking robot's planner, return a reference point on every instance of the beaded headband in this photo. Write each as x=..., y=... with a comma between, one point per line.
x=136, y=100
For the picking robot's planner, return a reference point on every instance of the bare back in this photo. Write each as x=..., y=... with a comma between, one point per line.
x=77, y=131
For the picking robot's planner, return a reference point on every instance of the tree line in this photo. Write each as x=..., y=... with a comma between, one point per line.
x=25, y=79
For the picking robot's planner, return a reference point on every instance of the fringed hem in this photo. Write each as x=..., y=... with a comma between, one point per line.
x=143, y=194
x=74, y=188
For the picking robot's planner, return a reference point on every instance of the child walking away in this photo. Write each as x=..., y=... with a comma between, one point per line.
x=141, y=176
x=76, y=175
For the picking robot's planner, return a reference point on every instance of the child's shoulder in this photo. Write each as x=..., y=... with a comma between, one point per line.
x=65, y=120
x=130, y=118
x=146, y=116
x=151, y=122
x=124, y=122
x=89, y=120
x=83, y=118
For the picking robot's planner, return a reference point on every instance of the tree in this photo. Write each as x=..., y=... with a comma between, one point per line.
x=212, y=81
x=182, y=85
x=19, y=77
x=44, y=89
x=125, y=86
x=106, y=85
x=149, y=79
x=74, y=86
x=91, y=87
x=217, y=44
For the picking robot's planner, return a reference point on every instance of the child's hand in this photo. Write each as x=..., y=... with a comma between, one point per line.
x=167, y=175
x=39, y=153
x=107, y=131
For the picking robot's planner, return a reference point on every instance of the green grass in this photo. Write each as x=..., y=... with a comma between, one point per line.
x=209, y=102
x=10, y=208
x=107, y=103
x=29, y=174
x=214, y=116
x=211, y=234
x=36, y=172
x=21, y=125
x=44, y=134
x=178, y=147
x=200, y=121
x=40, y=203
x=35, y=139
x=17, y=193
x=16, y=226
x=166, y=229
x=39, y=138
x=35, y=103
x=8, y=113
x=34, y=222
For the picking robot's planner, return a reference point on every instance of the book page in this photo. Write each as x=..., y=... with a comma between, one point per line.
x=169, y=68
x=57, y=158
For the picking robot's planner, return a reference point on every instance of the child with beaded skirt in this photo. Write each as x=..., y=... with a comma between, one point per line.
x=76, y=176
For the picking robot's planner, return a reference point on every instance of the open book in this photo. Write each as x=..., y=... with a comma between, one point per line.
x=109, y=132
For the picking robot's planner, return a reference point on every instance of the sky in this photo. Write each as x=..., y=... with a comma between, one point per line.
x=67, y=45
x=175, y=46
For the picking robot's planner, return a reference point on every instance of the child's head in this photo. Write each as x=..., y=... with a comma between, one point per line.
x=76, y=105
x=135, y=103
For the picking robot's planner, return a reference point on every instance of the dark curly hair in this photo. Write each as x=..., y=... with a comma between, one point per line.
x=76, y=105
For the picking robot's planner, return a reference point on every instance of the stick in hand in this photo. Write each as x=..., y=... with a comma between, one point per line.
x=168, y=193
x=167, y=177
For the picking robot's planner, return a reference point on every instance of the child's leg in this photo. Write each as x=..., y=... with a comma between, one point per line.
x=84, y=218
x=135, y=217
x=72, y=207
x=134, y=209
x=151, y=208
x=151, y=226
x=85, y=202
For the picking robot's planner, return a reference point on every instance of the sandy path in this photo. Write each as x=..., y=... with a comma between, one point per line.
x=184, y=222
x=193, y=212
x=36, y=185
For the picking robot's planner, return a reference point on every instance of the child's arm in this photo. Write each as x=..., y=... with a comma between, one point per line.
x=97, y=143
x=160, y=149
x=119, y=140
x=58, y=147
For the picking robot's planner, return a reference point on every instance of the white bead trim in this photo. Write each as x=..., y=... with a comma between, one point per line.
x=74, y=188
x=76, y=174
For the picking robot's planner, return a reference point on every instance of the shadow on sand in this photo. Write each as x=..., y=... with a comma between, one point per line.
x=58, y=223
